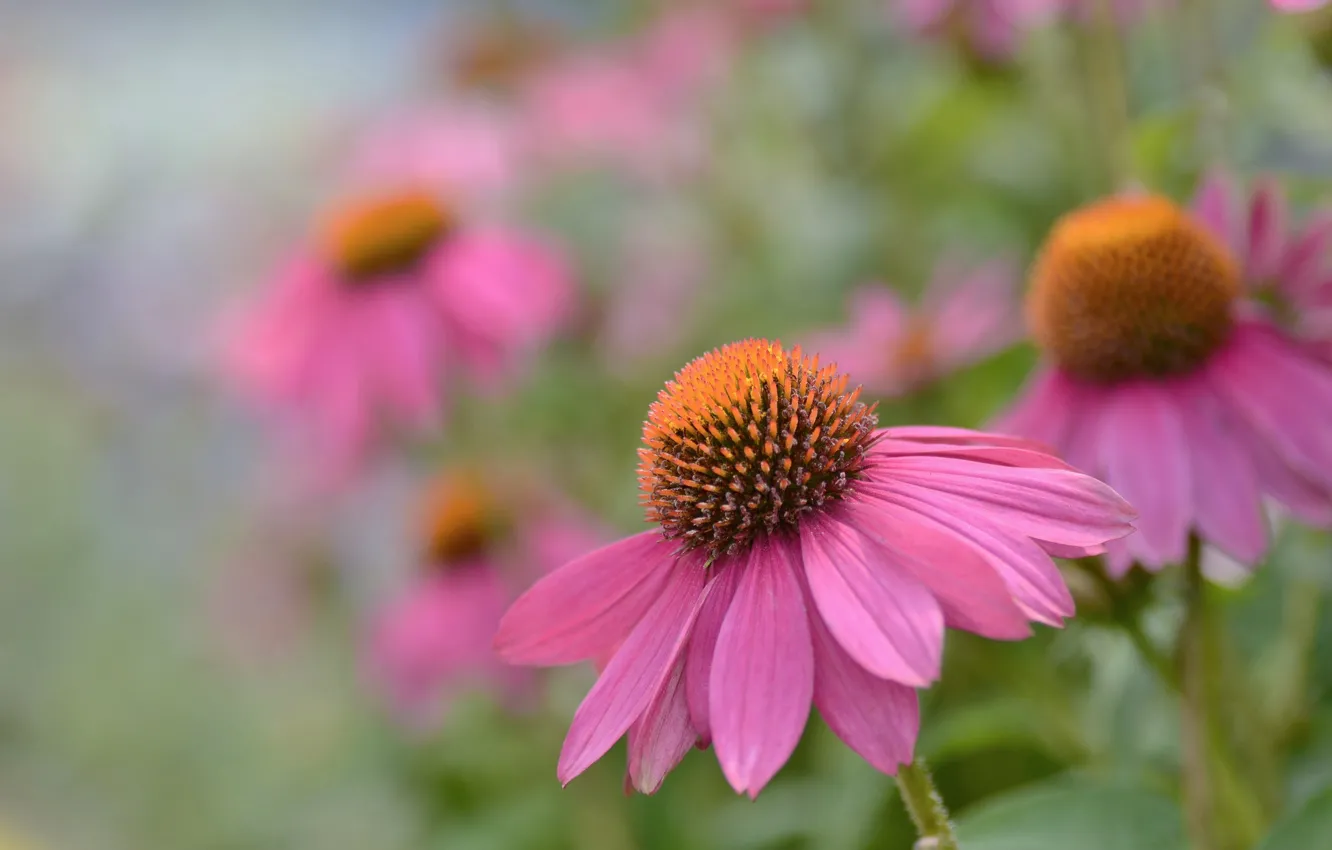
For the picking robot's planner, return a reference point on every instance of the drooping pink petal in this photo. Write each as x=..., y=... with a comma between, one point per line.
x=1266, y=232
x=1061, y=550
x=637, y=674
x=1000, y=455
x=1031, y=576
x=588, y=605
x=1275, y=387
x=1226, y=492
x=888, y=621
x=399, y=340
x=1058, y=505
x=1306, y=262
x=974, y=312
x=1045, y=410
x=969, y=592
x=1215, y=207
x=703, y=642
x=660, y=738
x=940, y=434
x=763, y=670
x=876, y=718
x=1145, y=455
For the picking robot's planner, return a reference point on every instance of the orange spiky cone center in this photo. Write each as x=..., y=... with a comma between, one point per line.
x=745, y=440
x=1131, y=287
x=380, y=235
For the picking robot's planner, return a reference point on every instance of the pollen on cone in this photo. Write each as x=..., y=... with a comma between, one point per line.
x=745, y=439
x=1131, y=287
x=383, y=234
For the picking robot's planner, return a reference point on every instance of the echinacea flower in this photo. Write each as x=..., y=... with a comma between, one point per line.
x=990, y=30
x=392, y=295
x=964, y=316
x=1297, y=5
x=1285, y=266
x=434, y=640
x=799, y=556
x=1162, y=380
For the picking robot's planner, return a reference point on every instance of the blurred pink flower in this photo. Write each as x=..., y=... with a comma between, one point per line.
x=1286, y=266
x=1297, y=5
x=636, y=104
x=473, y=151
x=1165, y=382
x=435, y=640
x=829, y=582
x=364, y=323
x=965, y=316
x=990, y=28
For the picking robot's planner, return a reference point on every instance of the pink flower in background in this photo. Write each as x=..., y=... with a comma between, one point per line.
x=435, y=640
x=1297, y=5
x=1165, y=382
x=474, y=151
x=362, y=326
x=1285, y=266
x=800, y=557
x=990, y=28
x=637, y=104
x=965, y=315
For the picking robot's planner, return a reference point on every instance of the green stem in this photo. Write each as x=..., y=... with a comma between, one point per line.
x=1108, y=95
x=926, y=807
x=1224, y=810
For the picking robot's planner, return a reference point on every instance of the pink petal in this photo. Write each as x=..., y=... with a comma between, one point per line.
x=1267, y=232
x=587, y=606
x=969, y=592
x=703, y=642
x=1031, y=576
x=1030, y=458
x=1278, y=390
x=1045, y=410
x=398, y=337
x=1306, y=262
x=876, y=718
x=888, y=621
x=660, y=738
x=1058, y=505
x=975, y=313
x=935, y=434
x=1060, y=550
x=1145, y=454
x=763, y=671
x=637, y=674
x=1226, y=495
x=1215, y=208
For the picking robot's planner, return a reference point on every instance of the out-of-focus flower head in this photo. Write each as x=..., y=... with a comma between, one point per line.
x=965, y=315
x=1163, y=378
x=662, y=264
x=478, y=546
x=1297, y=5
x=393, y=294
x=636, y=104
x=799, y=555
x=988, y=30
x=1285, y=266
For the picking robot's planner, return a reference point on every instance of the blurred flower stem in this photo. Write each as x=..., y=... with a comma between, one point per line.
x=1107, y=94
x=1221, y=808
x=926, y=807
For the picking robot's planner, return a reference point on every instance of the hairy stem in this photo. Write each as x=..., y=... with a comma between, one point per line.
x=926, y=807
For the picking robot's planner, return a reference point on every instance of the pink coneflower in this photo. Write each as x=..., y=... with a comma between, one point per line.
x=1164, y=381
x=964, y=316
x=989, y=30
x=800, y=556
x=434, y=641
x=635, y=105
x=364, y=323
x=1297, y=5
x=1285, y=266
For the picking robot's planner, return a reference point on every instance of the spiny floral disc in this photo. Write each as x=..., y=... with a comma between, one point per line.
x=384, y=234
x=747, y=438
x=1131, y=287
x=458, y=519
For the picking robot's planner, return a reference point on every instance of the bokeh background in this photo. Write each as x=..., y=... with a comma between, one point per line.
x=182, y=641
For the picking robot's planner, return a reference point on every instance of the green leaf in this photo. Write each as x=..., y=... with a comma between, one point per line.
x=1311, y=826
x=1072, y=812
